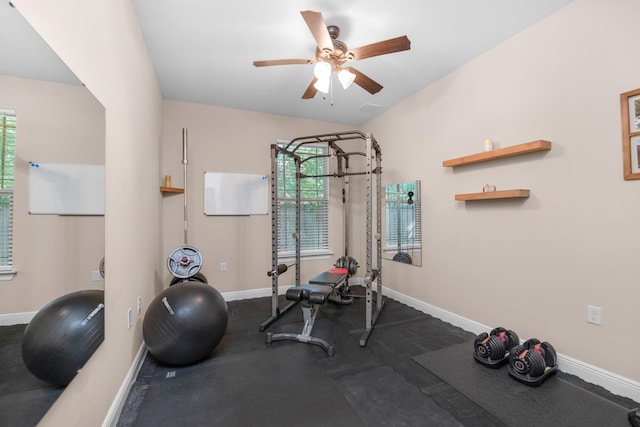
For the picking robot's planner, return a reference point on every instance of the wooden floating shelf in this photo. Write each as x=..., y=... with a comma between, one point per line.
x=491, y=195
x=500, y=153
x=171, y=190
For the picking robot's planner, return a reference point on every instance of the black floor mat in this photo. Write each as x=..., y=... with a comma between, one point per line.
x=245, y=383
x=555, y=402
x=368, y=392
x=24, y=399
x=243, y=389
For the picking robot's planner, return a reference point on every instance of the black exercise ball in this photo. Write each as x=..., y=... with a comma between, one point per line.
x=63, y=335
x=184, y=323
x=403, y=257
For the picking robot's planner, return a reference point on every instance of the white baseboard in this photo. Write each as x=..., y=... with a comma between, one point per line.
x=612, y=382
x=615, y=383
x=121, y=397
x=16, y=318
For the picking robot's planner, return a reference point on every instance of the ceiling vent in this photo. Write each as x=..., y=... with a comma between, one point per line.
x=369, y=108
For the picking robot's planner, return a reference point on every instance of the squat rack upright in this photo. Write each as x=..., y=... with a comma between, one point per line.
x=336, y=144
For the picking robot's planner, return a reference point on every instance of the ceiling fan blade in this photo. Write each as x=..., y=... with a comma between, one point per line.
x=381, y=48
x=364, y=81
x=282, y=62
x=318, y=29
x=311, y=90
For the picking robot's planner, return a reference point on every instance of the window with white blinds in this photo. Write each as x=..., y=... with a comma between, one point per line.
x=7, y=173
x=403, y=217
x=314, y=203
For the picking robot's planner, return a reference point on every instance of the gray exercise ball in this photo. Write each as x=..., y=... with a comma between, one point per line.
x=63, y=335
x=184, y=323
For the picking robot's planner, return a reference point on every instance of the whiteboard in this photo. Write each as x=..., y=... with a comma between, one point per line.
x=66, y=189
x=235, y=194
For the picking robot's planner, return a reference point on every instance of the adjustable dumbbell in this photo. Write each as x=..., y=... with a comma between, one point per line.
x=492, y=349
x=532, y=361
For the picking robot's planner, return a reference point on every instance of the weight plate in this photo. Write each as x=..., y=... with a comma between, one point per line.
x=349, y=263
x=549, y=353
x=496, y=347
x=511, y=340
x=184, y=262
x=519, y=364
x=478, y=345
x=353, y=266
x=536, y=363
x=101, y=267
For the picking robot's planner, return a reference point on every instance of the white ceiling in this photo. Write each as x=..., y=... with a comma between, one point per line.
x=203, y=50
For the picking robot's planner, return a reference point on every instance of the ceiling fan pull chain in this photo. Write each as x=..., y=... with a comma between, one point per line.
x=331, y=90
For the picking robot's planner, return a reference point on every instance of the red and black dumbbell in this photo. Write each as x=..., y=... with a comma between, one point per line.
x=533, y=361
x=492, y=349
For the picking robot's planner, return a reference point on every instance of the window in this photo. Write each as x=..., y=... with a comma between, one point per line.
x=7, y=173
x=314, y=205
x=403, y=217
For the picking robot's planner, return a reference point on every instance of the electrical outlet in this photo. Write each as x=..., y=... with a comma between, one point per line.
x=139, y=304
x=223, y=266
x=95, y=276
x=594, y=315
x=129, y=318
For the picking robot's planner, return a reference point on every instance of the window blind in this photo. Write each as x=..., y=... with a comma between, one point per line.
x=314, y=205
x=7, y=174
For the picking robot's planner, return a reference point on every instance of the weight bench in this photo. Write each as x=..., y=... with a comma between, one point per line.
x=312, y=296
x=336, y=277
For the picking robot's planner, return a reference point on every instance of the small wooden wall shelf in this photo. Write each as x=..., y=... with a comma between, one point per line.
x=500, y=153
x=171, y=190
x=492, y=195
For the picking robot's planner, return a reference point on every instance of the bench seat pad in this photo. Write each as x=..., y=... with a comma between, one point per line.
x=315, y=294
x=332, y=277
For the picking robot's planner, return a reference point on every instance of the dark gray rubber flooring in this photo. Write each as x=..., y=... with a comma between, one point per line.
x=246, y=383
x=555, y=402
x=24, y=399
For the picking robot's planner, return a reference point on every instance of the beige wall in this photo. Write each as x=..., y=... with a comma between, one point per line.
x=228, y=140
x=53, y=255
x=102, y=44
x=533, y=265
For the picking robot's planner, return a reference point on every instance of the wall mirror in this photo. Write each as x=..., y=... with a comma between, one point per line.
x=403, y=234
x=57, y=121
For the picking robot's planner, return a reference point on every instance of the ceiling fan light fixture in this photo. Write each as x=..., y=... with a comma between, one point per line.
x=322, y=85
x=346, y=78
x=322, y=70
x=332, y=53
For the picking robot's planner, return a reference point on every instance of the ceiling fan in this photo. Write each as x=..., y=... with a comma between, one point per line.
x=332, y=54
